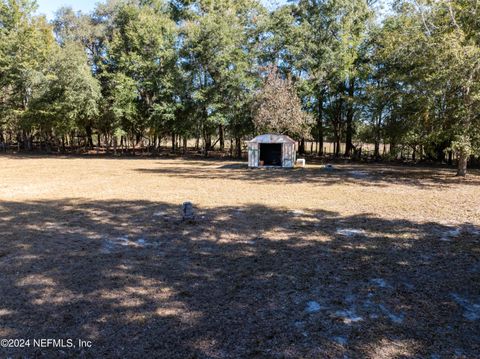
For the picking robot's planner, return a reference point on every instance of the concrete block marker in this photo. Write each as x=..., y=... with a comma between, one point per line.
x=188, y=214
x=350, y=232
x=301, y=163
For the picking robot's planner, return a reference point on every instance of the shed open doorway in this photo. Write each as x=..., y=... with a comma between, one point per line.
x=271, y=154
x=271, y=150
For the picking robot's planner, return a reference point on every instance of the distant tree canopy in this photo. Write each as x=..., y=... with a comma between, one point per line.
x=132, y=73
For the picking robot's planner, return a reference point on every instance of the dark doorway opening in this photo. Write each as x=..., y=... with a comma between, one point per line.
x=271, y=154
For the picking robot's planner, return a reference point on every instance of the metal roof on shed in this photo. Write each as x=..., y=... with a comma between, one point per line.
x=271, y=138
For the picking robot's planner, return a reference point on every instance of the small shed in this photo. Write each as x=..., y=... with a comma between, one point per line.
x=271, y=150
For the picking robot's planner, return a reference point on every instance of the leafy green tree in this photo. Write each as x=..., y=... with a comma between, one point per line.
x=427, y=57
x=26, y=43
x=142, y=61
x=220, y=57
x=333, y=35
x=69, y=98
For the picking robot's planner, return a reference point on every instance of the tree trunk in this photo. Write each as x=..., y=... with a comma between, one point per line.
x=393, y=150
x=320, y=126
x=207, y=142
x=336, y=143
x=376, y=152
x=337, y=124
x=350, y=113
x=27, y=145
x=155, y=144
x=301, y=148
x=221, y=134
x=173, y=142
x=88, y=130
x=378, y=136
x=238, y=145
x=98, y=142
x=462, y=164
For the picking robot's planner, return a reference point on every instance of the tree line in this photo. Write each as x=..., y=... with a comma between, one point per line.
x=134, y=72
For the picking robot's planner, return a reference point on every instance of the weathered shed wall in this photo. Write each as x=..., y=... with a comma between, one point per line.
x=253, y=154
x=288, y=155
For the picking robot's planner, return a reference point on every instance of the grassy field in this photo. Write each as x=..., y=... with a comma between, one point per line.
x=362, y=261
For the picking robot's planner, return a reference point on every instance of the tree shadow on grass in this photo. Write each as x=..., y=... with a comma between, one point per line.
x=191, y=157
x=241, y=282
x=369, y=175
x=358, y=174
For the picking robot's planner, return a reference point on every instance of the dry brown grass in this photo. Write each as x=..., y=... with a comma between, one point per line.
x=94, y=249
